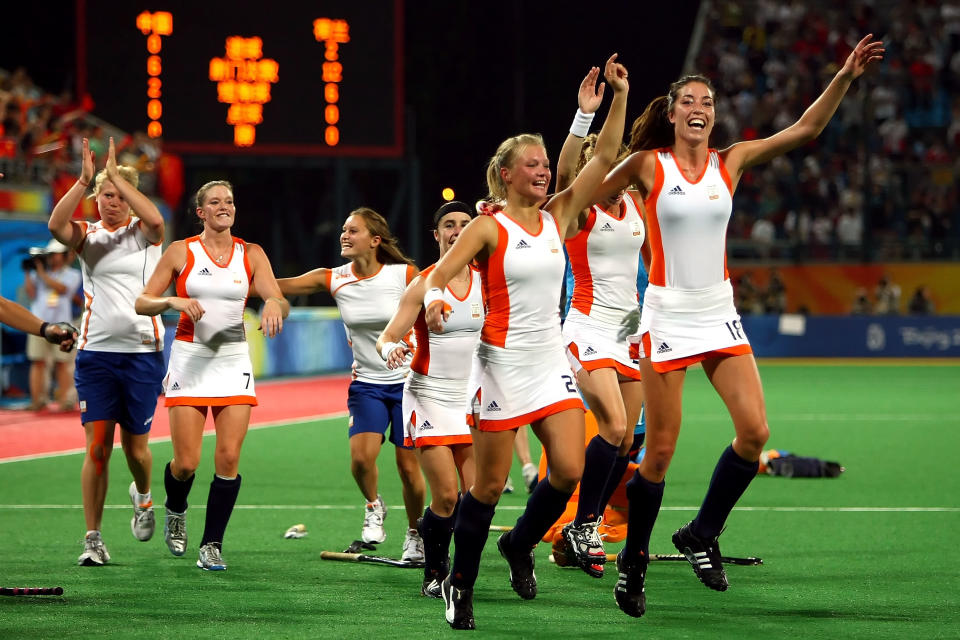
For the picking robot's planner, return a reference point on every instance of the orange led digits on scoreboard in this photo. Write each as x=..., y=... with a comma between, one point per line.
x=243, y=80
x=154, y=25
x=332, y=33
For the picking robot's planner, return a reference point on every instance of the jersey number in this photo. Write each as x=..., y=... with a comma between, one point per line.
x=570, y=386
x=247, y=376
x=735, y=329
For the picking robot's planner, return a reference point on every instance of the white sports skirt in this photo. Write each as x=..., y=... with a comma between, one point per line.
x=434, y=411
x=594, y=344
x=201, y=376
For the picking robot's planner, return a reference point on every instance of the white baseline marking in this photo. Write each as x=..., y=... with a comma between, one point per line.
x=340, y=507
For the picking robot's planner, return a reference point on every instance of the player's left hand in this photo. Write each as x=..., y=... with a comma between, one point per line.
x=62, y=333
x=396, y=358
x=271, y=318
x=866, y=52
x=616, y=75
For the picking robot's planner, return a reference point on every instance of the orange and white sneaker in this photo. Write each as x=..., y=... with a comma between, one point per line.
x=373, y=516
x=143, y=522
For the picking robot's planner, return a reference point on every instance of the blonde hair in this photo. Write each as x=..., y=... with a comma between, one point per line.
x=505, y=156
x=388, y=251
x=127, y=172
x=202, y=191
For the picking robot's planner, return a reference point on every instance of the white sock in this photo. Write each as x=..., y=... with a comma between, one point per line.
x=94, y=531
x=144, y=498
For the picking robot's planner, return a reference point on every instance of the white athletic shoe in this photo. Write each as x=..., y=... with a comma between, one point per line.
x=210, y=559
x=94, y=551
x=508, y=485
x=374, y=515
x=531, y=476
x=143, y=523
x=175, y=532
x=412, y=547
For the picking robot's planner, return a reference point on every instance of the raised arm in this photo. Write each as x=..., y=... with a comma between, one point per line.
x=744, y=155
x=275, y=306
x=306, y=283
x=151, y=220
x=60, y=225
x=152, y=301
x=478, y=238
x=566, y=205
x=589, y=98
x=389, y=344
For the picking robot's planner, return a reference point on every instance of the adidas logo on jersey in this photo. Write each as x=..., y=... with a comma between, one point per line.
x=589, y=351
x=607, y=227
x=664, y=348
x=204, y=272
x=175, y=387
x=522, y=244
x=676, y=191
x=493, y=406
x=426, y=426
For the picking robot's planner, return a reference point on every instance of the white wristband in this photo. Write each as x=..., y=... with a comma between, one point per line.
x=580, y=126
x=431, y=296
x=388, y=348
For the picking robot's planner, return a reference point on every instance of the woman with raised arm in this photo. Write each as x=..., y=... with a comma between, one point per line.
x=435, y=398
x=367, y=290
x=119, y=365
x=210, y=368
x=688, y=310
x=520, y=373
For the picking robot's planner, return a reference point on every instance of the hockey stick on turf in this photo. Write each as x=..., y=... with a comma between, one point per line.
x=363, y=557
x=31, y=591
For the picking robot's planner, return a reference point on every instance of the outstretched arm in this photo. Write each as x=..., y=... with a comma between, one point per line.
x=306, y=283
x=18, y=317
x=566, y=205
x=479, y=237
x=151, y=221
x=389, y=344
x=589, y=98
x=61, y=227
x=744, y=155
x=275, y=306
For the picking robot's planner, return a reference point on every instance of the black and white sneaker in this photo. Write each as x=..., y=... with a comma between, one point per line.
x=629, y=591
x=522, y=578
x=703, y=556
x=458, y=604
x=433, y=578
x=587, y=548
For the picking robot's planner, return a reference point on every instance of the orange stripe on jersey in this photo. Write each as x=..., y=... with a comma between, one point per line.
x=185, y=326
x=86, y=325
x=495, y=293
x=421, y=357
x=683, y=363
x=580, y=265
x=657, y=273
x=83, y=239
x=726, y=178
x=227, y=401
x=411, y=273
x=533, y=416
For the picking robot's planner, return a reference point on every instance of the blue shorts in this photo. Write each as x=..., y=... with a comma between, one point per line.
x=119, y=386
x=374, y=407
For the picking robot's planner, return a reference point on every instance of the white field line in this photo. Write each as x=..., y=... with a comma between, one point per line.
x=340, y=507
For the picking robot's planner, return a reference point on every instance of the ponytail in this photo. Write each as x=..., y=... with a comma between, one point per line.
x=388, y=251
x=653, y=129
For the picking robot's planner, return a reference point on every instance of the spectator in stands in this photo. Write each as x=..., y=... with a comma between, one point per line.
x=861, y=303
x=921, y=303
x=50, y=284
x=887, y=297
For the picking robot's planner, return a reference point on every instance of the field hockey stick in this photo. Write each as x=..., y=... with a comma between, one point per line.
x=679, y=557
x=362, y=557
x=31, y=591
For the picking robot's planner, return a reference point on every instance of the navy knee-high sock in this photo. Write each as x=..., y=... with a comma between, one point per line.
x=177, y=491
x=470, y=533
x=599, y=460
x=645, y=498
x=544, y=506
x=220, y=501
x=731, y=477
x=436, y=533
x=613, y=481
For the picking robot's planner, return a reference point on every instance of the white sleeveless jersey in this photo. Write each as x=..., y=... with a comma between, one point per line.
x=221, y=290
x=687, y=223
x=116, y=266
x=447, y=355
x=603, y=257
x=521, y=286
x=366, y=307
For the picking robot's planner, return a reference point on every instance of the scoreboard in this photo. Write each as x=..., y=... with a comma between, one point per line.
x=219, y=76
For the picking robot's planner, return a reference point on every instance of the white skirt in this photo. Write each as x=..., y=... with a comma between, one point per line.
x=203, y=377
x=594, y=344
x=434, y=411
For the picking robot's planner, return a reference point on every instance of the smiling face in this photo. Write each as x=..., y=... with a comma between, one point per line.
x=529, y=174
x=356, y=239
x=114, y=209
x=692, y=115
x=217, y=210
x=449, y=228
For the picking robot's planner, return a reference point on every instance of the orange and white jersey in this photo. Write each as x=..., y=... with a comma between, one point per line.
x=521, y=286
x=366, y=306
x=447, y=355
x=221, y=290
x=687, y=223
x=116, y=265
x=604, y=260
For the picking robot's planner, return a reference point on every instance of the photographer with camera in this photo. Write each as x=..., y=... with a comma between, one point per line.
x=51, y=285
